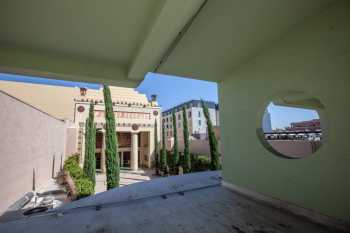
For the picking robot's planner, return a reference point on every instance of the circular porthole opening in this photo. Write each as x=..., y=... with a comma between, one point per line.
x=291, y=127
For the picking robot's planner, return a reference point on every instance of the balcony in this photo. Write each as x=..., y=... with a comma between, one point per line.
x=254, y=50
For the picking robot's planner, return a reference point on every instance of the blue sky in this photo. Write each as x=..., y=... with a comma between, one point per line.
x=20, y=78
x=282, y=116
x=173, y=90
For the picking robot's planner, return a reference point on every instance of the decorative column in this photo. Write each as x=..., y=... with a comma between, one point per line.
x=103, y=155
x=134, y=152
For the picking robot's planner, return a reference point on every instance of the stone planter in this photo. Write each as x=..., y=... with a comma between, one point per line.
x=65, y=179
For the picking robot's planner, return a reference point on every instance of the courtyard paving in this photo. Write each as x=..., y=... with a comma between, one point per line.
x=127, y=177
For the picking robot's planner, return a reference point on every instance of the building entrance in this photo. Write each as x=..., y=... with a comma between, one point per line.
x=98, y=162
x=124, y=158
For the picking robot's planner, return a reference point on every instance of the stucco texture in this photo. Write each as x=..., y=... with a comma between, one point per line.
x=312, y=58
x=29, y=140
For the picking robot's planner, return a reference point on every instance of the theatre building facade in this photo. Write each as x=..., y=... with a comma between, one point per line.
x=135, y=119
x=135, y=126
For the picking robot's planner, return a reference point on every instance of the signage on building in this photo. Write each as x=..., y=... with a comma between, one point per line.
x=130, y=115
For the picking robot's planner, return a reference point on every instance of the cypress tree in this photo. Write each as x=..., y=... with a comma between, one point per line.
x=163, y=159
x=90, y=146
x=175, y=149
x=87, y=141
x=156, y=152
x=111, y=152
x=186, y=159
x=213, y=143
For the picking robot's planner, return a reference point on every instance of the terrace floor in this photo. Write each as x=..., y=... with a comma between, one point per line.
x=190, y=203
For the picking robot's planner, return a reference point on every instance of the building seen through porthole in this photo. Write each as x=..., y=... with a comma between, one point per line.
x=293, y=132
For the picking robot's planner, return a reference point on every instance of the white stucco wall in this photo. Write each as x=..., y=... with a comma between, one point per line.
x=266, y=122
x=29, y=139
x=197, y=114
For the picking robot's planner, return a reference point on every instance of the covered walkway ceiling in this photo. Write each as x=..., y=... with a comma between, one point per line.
x=118, y=42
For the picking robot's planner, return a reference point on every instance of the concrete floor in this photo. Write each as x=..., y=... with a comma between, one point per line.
x=126, y=178
x=189, y=203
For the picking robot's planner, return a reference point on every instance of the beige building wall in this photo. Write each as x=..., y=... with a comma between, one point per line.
x=29, y=139
x=71, y=141
x=55, y=100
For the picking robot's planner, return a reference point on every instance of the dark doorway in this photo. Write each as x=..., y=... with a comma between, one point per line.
x=98, y=161
x=99, y=140
x=126, y=159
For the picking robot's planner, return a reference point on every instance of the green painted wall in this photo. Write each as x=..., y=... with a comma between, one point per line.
x=314, y=58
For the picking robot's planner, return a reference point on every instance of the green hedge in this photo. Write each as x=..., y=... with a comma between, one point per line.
x=72, y=161
x=200, y=163
x=76, y=172
x=74, y=157
x=171, y=162
x=84, y=187
x=72, y=166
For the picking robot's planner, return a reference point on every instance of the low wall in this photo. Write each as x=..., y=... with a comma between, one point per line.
x=295, y=148
x=196, y=146
x=71, y=140
x=29, y=140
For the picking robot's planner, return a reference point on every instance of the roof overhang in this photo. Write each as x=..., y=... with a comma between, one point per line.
x=118, y=42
